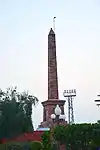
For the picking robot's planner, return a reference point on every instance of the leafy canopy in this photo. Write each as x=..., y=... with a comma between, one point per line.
x=15, y=112
x=78, y=136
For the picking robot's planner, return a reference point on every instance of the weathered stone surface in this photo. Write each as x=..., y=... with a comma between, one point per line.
x=49, y=107
x=52, y=67
x=53, y=96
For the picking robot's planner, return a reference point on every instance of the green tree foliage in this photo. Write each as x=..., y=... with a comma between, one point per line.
x=59, y=134
x=36, y=145
x=15, y=112
x=15, y=146
x=12, y=146
x=78, y=136
x=46, y=140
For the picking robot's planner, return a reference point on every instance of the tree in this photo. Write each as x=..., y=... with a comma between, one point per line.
x=46, y=140
x=78, y=136
x=15, y=112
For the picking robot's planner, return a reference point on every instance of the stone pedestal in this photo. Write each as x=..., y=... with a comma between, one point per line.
x=48, y=109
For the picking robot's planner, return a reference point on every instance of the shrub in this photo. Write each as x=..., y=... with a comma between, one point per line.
x=36, y=145
x=13, y=146
x=47, y=140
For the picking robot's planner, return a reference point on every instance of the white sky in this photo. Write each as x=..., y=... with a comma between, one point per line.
x=24, y=27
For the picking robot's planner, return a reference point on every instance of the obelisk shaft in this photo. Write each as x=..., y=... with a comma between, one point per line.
x=53, y=98
x=52, y=67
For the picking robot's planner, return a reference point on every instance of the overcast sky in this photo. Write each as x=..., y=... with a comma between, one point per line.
x=24, y=27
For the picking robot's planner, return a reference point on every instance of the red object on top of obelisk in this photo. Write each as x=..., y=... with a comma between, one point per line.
x=52, y=67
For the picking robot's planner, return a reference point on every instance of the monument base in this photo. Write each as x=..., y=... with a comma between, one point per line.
x=50, y=124
x=48, y=109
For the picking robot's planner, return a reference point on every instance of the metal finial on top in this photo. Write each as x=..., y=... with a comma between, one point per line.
x=54, y=23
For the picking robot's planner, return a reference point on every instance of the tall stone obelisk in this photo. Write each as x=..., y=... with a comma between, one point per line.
x=52, y=67
x=53, y=96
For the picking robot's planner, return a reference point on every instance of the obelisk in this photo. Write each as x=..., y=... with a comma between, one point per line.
x=52, y=67
x=53, y=96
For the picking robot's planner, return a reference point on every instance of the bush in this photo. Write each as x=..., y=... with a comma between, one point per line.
x=36, y=145
x=47, y=140
x=14, y=146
